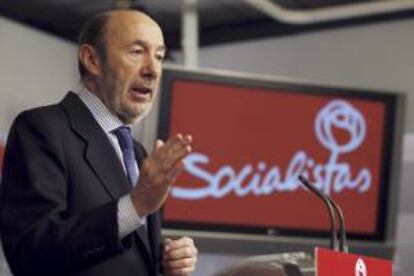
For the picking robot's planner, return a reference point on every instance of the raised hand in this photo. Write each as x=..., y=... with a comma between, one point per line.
x=158, y=173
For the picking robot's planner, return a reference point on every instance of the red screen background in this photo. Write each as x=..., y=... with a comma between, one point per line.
x=237, y=125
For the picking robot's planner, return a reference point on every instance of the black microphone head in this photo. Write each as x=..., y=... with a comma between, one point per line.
x=302, y=178
x=308, y=184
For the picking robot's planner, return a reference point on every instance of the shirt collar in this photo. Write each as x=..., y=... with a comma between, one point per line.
x=100, y=112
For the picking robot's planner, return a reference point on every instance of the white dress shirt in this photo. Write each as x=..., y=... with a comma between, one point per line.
x=127, y=217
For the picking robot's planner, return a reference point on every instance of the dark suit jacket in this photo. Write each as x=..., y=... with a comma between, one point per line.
x=58, y=198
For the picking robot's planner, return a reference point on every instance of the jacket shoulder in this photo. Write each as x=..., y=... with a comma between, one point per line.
x=51, y=115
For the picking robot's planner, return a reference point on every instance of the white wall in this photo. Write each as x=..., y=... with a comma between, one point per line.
x=35, y=69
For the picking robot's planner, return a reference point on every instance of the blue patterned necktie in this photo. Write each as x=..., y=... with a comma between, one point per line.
x=124, y=136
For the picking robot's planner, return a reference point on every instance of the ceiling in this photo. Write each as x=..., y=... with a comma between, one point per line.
x=220, y=21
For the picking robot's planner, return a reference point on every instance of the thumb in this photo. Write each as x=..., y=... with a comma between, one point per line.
x=158, y=144
x=167, y=244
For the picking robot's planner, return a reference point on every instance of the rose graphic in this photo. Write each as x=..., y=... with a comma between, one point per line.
x=342, y=115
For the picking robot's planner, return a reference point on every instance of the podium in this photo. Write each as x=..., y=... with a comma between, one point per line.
x=324, y=262
x=329, y=262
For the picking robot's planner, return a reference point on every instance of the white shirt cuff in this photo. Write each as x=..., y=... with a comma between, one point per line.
x=128, y=219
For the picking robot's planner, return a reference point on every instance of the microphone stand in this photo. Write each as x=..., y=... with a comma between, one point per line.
x=332, y=206
x=343, y=243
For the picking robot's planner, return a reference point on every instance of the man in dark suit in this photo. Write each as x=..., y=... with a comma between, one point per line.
x=78, y=195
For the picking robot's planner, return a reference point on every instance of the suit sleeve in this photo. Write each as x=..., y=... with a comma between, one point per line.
x=38, y=238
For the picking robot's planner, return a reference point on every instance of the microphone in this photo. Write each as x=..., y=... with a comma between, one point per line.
x=343, y=246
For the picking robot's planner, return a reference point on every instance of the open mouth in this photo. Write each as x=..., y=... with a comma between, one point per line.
x=141, y=92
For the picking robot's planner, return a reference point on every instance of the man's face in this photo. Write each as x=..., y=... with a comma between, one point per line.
x=131, y=70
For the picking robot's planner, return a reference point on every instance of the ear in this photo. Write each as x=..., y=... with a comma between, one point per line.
x=90, y=59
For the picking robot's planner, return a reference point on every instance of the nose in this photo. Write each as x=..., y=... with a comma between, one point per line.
x=149, y=68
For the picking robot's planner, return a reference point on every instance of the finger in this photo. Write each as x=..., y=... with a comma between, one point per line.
x=177, y=142
x=175, y=172
x=178, y=146
x=188, y=139
x=158, y=144
x=179, y=155
x=181, y=263
x=176, y=244
x=176, y=139
x=181, y=271
x=181, y=253
x=162, y=149
x=167, y=241
x=172, y=150
x=169, y=160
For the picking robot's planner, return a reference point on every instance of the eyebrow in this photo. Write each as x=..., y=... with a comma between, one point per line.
x=144, y=44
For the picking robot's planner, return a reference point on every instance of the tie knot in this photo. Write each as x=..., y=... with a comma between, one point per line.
x=123, y=130
x=124, y=136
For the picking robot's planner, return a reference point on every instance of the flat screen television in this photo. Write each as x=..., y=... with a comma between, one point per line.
x=254, y=135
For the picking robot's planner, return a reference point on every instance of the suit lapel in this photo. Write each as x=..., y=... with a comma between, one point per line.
x=99, y=152
x=105, y=163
